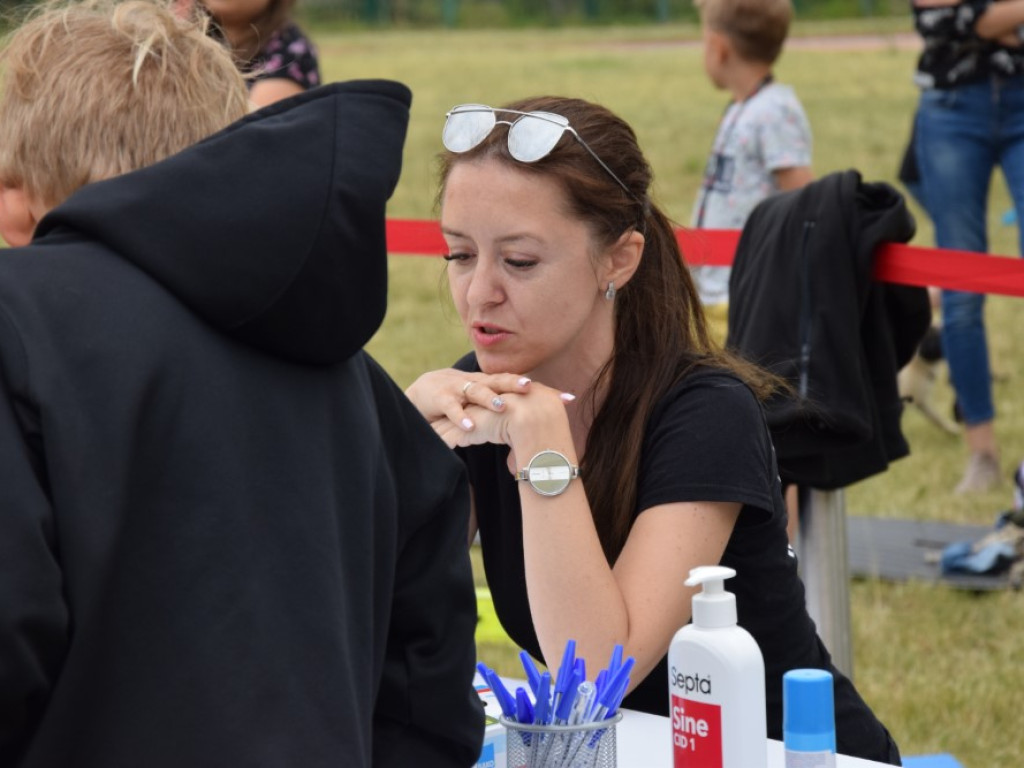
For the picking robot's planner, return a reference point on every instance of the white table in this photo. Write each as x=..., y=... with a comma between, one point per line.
x=645, y=741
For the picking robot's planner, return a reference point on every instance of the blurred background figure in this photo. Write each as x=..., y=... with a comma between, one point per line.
x=763, y=142
x=279, y=59
x=970, y=120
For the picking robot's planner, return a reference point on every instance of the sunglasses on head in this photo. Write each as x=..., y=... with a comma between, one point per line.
x=531, y=136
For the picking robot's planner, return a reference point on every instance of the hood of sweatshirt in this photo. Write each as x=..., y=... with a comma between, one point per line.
x=272, y=230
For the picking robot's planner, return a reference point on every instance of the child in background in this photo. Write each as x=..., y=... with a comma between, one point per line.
x=269, y=47
x=763, y=143
x=85, y=64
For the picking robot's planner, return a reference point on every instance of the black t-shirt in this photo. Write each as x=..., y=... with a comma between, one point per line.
x=706, y=440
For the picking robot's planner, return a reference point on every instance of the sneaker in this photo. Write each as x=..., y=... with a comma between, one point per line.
x=982, y=474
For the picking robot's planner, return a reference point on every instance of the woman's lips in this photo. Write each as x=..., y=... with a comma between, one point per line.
x=489, y=335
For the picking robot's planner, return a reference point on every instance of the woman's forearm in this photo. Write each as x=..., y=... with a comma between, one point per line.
x=572, y=590
x=1000, y=19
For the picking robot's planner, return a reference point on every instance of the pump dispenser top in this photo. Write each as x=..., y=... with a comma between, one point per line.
x=713, y=607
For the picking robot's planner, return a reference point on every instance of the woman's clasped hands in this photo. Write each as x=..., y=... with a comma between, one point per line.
x=475, y=408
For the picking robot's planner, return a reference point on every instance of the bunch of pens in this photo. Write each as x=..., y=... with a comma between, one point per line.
x=568, y=725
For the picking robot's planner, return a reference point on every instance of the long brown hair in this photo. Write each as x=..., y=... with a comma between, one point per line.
x=660, y=330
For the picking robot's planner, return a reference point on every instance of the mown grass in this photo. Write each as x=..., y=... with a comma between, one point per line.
x=939, y=666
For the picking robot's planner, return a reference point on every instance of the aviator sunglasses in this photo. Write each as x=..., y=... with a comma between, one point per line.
x=531, y=136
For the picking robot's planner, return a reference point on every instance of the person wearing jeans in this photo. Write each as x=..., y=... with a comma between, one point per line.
x=970, y=119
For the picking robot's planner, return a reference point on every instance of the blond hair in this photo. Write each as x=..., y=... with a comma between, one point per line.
x=95, y=88
x=756, y=28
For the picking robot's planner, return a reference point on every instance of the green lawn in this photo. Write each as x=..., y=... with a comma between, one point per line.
x=940, y=667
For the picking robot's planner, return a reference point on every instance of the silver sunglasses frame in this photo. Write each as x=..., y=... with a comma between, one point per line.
x=547, y=117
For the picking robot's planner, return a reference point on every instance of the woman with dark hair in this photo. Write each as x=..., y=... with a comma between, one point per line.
x=610, y=445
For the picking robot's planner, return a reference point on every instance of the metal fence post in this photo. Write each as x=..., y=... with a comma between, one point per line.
x=822, y=552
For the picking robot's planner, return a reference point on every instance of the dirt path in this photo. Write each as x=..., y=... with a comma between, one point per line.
x=877, y=42
x=902, y=41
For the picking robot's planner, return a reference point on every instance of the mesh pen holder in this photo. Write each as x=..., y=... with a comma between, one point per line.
x=586, y=745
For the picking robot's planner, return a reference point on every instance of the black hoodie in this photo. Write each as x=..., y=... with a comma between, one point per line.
x=226, y=537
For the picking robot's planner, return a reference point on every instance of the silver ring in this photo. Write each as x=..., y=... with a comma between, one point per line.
x=466, y=386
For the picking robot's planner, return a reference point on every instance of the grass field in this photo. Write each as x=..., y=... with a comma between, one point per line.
x=940, y=667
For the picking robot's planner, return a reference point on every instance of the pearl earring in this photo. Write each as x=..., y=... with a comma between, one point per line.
x=610, y=292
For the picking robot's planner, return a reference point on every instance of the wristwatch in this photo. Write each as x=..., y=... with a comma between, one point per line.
x=549, y=473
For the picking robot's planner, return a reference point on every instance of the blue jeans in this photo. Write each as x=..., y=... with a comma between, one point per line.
x=963, y=133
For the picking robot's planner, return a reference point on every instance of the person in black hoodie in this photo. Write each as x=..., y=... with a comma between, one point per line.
x=223, y=529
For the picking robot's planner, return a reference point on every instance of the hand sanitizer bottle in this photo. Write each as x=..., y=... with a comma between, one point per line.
x=808, y=719
x=716, y=683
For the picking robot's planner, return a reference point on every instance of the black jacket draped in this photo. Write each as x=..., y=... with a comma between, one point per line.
x=803, y=304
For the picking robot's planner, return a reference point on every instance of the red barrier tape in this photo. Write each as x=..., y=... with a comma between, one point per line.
x=415, y=237
x=894, y=262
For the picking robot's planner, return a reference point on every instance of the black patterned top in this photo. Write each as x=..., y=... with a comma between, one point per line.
x=288, y=54
x=953, y=53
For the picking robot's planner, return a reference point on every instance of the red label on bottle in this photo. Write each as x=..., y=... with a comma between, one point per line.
x=696, y=734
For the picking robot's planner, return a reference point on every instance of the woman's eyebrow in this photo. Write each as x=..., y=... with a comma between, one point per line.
x=504, y=240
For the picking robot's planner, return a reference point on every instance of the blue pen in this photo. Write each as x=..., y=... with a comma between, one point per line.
x=616, y=700
x=492, y=680
x=505, y=700
x=580, y=665
x=584, y=698
x=564, y=672
x=542, y=712
x=532, y=673
x=621, y=675
x=621, y=684
x=613, y=691
x=486, y=673
x=609, y=700
x=616, y=660
x=524, y=709
x=564, y=706
x=599, y=685
x=563, y=709
x=524, y=714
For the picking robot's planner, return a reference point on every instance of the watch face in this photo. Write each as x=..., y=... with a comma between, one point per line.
x=549, y=473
